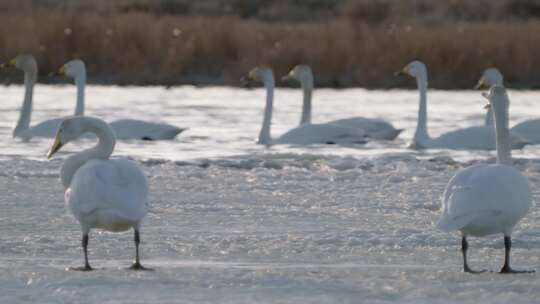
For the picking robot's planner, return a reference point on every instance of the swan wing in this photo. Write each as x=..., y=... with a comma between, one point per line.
x=118, y=186
x=481, y=193
x=137, y=129
x=529, y=130
x=372, y=127
x=474, y=138
x=322, y=134
x=45, y=129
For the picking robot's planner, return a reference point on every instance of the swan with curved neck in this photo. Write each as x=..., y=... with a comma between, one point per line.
x=529, y=130
x=23, y=130
x=488, y=199
x=490, y=77
x=306, y=133
x=372, y=127
x=102, y=193
x=471, y=138
x=123, y=128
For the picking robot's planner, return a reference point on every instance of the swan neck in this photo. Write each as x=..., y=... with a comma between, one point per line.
x=488, y=122
x=264, y=135
x=102, y=150
x=80, y=82
x=504, y=151
x=421, y=133
x=307, y=88
x=26, y=110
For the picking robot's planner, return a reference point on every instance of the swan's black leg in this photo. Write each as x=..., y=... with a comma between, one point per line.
x=464, y=248
x=137, y=265
x=506, y=268
x=86, y=266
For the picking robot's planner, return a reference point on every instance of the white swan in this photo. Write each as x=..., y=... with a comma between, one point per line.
x=472, y=138
x=372, y=127
x=306, y=133
x=123, y=128
x=101, y=193
x=47, y=128
x=529, y=130
x=487, y=199
x=490, y=77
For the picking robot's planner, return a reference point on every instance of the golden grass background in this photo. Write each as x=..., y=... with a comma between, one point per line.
x=348, y=43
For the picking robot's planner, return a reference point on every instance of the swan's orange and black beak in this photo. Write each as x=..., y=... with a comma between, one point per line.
x=402, y=72
x=481, y=83
x=55, y=147
x=249, y=80
x=9, y=64
x=61, y=72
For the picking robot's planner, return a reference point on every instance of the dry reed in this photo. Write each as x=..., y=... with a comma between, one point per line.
x=143, y=48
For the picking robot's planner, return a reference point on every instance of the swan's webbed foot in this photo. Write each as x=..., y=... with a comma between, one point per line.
x=81, y=268
x=507, y=269
x=138, y=266
x=469, y=270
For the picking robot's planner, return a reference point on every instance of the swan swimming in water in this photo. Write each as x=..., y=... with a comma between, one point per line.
x=471, y=138
x=529, y=130
x=123, y=128
x=372, y=127
x=102, y=193
x=488, y=199
x=47, y=128
x=306, y=133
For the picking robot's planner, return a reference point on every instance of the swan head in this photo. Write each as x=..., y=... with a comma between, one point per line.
x=490, y=77
x=24, y=62
x=70, y=129
x=497, y=97
x=301, y=72
x=73, y=68
x=414, y=69
x=261, y=74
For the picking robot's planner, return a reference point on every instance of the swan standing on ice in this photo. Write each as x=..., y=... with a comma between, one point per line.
x=471, y=138
x=487, y=199
x=123, y=128
x=306, y=133
x=47, y=128
x=372, y=127
x=529, y=130
x=101, y=193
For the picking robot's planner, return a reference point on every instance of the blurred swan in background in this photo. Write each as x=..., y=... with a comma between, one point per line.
x=372, y=127
x=306, y=133
x=47, y=128
x=101, y=193
x=471, y=138
x=123, y=128
x=529, y=130
x=487, y=199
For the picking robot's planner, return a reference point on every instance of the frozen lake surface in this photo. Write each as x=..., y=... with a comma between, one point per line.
x=233, y=222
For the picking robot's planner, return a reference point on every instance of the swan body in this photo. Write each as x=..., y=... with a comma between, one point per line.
x=131, y=128
x=471, y=138
x=101, y=193
x=372, y=127
x=46, y=128
x=529, y=130
x=487, y=199
x=321, y=134
x=306, y=133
